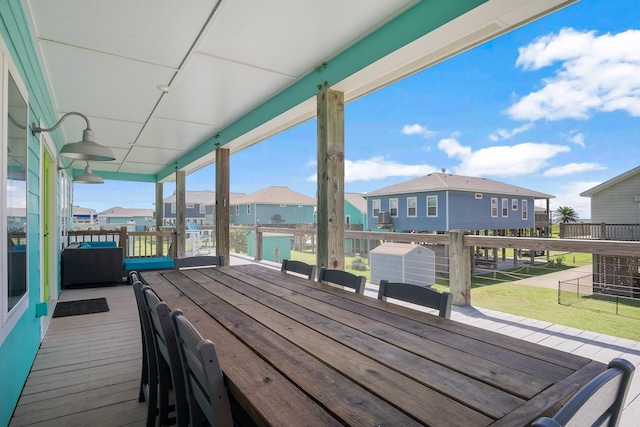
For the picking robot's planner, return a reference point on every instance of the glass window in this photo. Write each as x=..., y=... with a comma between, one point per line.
x=15, y=196
x=514, y=204
x=505, y=208
x=494, y=207
x=237, y=209
x=393, y=207
x=190, y=206
x=375, y=206
x=248, y=209
x=432, y=206
x=525, y=213
x=412, y=207
x=203, y=209
x=173, y=208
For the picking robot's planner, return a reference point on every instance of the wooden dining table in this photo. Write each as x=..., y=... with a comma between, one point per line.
x=296, y=352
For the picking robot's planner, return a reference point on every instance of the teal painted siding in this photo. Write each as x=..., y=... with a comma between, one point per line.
x=269, y=244
x=355, y=216
x=20, y=346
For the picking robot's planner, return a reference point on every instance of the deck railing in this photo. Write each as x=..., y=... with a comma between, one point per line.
x=136, y=244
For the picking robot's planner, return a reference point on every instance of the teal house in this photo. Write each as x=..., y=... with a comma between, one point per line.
x=273, y=206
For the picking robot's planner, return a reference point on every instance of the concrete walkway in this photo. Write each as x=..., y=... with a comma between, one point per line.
x=589, y=344
x=584, y=273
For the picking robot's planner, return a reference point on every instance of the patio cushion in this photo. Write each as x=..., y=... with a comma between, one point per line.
x=110, y=244
x=143, y=264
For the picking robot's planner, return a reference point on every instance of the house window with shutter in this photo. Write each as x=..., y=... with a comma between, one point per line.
x=494, y=207
x=412, y=207
x=393, y=207
x=432, y=206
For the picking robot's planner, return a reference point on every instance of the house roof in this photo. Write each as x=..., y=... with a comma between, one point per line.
x=275, y=195
x=233, y=198
x=78, y=210
x=444, y=181
x=117, y=211
x=391, y=248
x=357, y=200
x=232, y=75
x=616, y=179
x=200, y=197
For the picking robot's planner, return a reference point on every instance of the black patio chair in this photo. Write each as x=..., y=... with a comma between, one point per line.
x=342, y=278
x=200, y=261
x=169, y=364
x=415, y=294
x=599, y=403
x=299, y=267
x=206, y=393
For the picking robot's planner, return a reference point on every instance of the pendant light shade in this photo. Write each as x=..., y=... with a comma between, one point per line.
x=87, y=149
x=88, y=177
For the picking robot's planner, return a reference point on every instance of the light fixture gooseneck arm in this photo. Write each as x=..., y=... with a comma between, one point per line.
x=36, y=129
x=86, y=149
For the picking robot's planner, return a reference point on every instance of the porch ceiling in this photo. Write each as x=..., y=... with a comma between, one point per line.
x=239, y=70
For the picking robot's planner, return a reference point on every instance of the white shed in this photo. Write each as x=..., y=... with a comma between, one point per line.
x=403, y=262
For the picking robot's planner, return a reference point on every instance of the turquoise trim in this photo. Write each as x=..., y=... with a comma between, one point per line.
x=421, y=19
x=42, y=309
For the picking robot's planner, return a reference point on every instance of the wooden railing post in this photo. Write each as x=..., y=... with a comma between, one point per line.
x=257, y=234
x=459, y=268
x=124, y=243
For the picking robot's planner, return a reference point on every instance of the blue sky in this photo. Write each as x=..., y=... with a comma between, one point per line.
x=553, y=106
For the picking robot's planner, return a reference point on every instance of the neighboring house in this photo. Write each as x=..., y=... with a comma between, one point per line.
x=16, y=219
x=137, y=219
x=615, y=215
x=210, y=215
x=440, y=202
x=84, y=216
x=355, y=212
x=196, y=210
x=273, y=206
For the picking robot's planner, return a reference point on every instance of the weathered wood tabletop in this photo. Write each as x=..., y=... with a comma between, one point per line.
x=299, y=353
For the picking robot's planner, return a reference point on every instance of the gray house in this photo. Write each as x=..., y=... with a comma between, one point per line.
x=196, y=202
x=440, y=202
x=615, y=215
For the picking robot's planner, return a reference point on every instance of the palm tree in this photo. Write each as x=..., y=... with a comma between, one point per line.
x=566, y=214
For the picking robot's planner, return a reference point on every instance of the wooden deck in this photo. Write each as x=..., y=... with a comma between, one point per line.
x=87, y=369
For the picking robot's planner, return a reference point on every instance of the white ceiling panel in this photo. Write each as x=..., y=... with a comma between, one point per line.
x=164, y=133
x=154, y=31
x=156, y=156
x=111, y=133
x=217, y=92
x=103, y=85
x=293, y=36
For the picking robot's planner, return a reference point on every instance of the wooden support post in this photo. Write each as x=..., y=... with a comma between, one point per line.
x=222, y=203
x=257, y=234
x=459, y=268
x=124, y=241
x=181, y=219
x=330, y=179
x=159, y=219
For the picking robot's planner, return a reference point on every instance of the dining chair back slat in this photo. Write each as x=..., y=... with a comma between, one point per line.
x=299, y=267
x=168, y=359
x=599, y=403
x=343, y=278
x=149, y=377
x=206, y=393
x=415, y=294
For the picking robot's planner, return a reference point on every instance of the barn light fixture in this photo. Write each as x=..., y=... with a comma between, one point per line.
x=86, y=149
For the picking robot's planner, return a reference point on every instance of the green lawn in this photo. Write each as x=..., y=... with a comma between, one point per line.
x=496, y=291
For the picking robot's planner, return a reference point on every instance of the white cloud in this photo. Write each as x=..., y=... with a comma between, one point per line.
x=577, y=138
x=379, y=168
x=572, y=168
x=520, y=159
x=417, y=129
x=596, y=73
x=501, y=134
